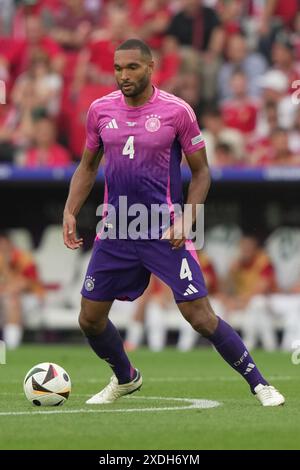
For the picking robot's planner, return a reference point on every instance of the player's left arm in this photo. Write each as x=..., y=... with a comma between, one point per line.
x=200, y=182
x=197, y=192
x=193, y=146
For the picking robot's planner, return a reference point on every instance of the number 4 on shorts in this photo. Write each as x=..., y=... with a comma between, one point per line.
x=185, y=270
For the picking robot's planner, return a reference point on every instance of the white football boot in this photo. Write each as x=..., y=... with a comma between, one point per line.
x=113, y=390
x=268, y=395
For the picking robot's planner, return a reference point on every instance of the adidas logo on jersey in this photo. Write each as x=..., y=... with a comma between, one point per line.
x=112, y=125
x=191, y=290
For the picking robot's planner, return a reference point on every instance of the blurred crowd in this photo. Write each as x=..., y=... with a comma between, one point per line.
x=236, y=62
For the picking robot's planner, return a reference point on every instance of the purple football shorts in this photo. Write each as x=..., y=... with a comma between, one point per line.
x=121, y=269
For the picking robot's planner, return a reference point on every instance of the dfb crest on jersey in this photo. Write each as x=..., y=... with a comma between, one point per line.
x=153, y=123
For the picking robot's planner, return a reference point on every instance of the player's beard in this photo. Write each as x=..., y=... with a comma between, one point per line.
x=137, y=88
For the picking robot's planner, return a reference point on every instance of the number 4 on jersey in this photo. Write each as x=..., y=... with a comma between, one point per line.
x=128, y=148
x=185, y=270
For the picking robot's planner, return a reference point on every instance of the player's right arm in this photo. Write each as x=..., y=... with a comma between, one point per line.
x=81, y=184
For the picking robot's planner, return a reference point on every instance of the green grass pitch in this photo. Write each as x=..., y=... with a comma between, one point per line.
x=154, y=423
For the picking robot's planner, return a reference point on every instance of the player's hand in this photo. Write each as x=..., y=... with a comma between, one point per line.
x=175, y=234
x=69, y=231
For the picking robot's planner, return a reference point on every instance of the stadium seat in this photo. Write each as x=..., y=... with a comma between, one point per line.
x=55, y=262
x=120, y=313
x=72, y=296
x=221, y=245
x=21, y=238
x=61, y=308
x=32, y=312
x=283, y=247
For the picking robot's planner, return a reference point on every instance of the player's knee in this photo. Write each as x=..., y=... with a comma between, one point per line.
x=89, y=326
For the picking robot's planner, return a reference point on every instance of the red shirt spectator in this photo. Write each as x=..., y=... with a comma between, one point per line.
x=54, y=156
x=46, y=151
x=168, y=68
x=240, y=112
x=240, y=116
x=102, y=54
x=18, y=269
x=286, y=10
x=151, y=18
x=279, y=153
x=18, y=53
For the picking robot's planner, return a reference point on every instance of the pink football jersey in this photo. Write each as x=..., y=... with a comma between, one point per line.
x=143, y=146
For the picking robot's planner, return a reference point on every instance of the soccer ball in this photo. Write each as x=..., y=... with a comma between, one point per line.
x=47, y=384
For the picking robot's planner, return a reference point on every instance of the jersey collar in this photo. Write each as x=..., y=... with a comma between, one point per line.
x=151, y=100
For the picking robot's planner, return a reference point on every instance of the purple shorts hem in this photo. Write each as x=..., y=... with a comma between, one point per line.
x=90, y=297
x=120, y=298
x=191, y=298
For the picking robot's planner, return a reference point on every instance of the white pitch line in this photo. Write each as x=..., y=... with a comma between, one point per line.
x=185, y=379
x=211, y=379
x=194, y=403
x=201, y=379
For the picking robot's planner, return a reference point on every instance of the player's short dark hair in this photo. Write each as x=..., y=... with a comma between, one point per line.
x=135, y=44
